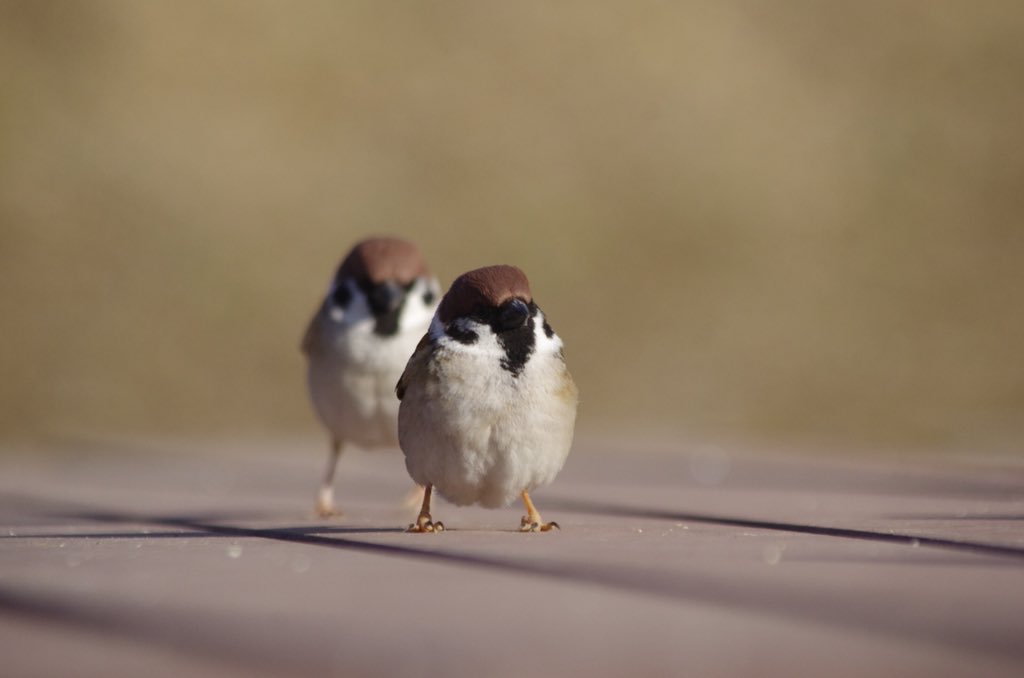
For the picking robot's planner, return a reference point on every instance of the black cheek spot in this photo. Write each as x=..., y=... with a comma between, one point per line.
x=341, y=297
x=428, y=297
x=548, y=332
x=460, y=335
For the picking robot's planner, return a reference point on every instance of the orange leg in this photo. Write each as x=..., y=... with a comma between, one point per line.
x=423, y=522
x=532, y=522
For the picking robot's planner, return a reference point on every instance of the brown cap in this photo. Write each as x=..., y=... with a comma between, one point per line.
x=484, y=287
x=383, y=259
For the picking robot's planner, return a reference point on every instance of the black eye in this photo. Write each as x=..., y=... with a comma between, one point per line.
x=341, y=296
x=428, y=297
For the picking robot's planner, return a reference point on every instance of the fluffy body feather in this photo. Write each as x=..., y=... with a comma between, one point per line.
x=352, y=370
x=478, y=432
x=379, y=303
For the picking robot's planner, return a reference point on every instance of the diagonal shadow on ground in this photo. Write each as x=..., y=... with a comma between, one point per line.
x=602, y=509
x=781, y=599
x=187, y=534
x=955, y=517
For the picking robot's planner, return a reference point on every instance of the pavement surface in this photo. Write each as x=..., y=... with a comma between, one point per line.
x=202, y=559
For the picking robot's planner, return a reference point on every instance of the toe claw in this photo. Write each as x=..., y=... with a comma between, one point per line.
x=421, y=526
x=538, y=527
x=326, y=511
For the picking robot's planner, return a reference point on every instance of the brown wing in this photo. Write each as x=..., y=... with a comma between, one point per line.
x=416, y=365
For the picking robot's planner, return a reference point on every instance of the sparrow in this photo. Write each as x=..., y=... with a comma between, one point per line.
x=487, y=402
x=378, y=305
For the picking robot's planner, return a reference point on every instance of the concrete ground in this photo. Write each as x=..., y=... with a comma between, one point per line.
x=172, y=559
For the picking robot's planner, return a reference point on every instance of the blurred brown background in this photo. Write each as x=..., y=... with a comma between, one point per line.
x=775, y=220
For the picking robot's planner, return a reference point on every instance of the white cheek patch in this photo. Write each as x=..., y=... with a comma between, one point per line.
x=487, y=342
x=416, y=313
x=544, y=343
x=485, y=345
x=335, y=312
x=356, y=312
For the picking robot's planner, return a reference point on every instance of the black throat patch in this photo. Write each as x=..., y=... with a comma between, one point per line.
x=386, y=321
x=386, y=325
x=518, y=345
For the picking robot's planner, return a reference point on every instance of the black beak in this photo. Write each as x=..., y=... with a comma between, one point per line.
x=385, y=298
x=512, y=315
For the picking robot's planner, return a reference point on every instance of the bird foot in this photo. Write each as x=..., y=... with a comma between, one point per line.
x=425, y=524
x=327, y=511
x=325, y=507
x=528, y=524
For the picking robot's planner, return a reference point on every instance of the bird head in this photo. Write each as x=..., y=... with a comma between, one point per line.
x=491, y=310
x=385, y=280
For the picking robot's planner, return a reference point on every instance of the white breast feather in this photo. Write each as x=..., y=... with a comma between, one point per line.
x=480, y=434
x=352, y=383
